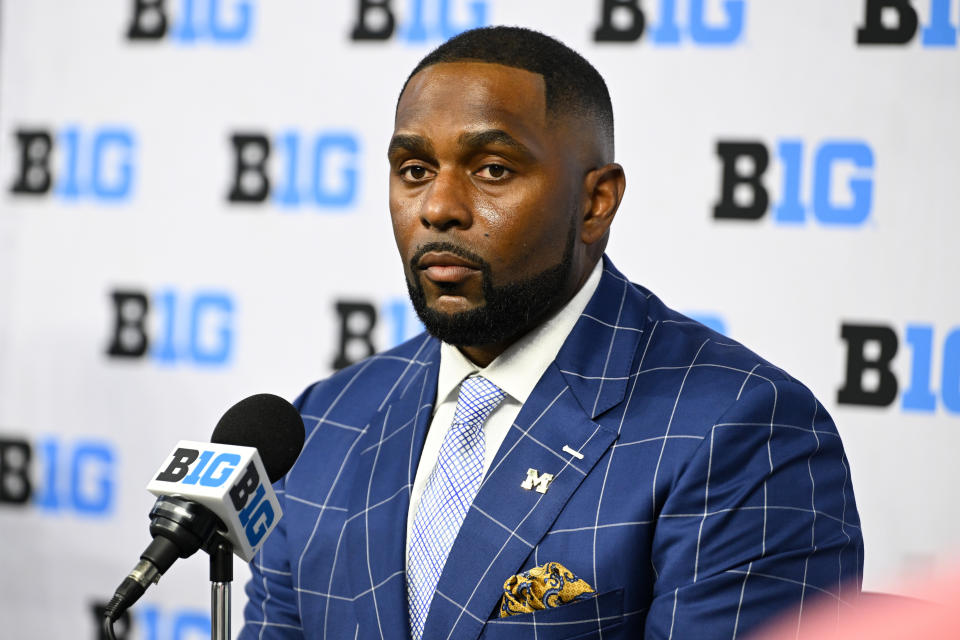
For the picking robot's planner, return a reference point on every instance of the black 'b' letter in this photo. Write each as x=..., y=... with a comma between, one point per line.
x=14, y=472
x=857, y=336
x=129, y=333
x=729, y=153
x=350, y=335
x=178, y=467
x=609, y=32
x=362, y=31
x=149, y=22
x=35, y=148
x=250, y=181
x=241, y=492
x=874, y=31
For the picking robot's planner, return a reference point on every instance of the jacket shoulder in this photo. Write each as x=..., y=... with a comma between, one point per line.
x=691, y=375
x=375, y=378
x=679, y=340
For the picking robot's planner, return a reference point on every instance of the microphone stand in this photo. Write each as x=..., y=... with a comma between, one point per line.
x=221, y=575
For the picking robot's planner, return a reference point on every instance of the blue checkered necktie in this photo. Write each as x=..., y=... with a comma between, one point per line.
x=450, y=490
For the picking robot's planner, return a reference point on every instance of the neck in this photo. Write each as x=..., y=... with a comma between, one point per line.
x=485, y=354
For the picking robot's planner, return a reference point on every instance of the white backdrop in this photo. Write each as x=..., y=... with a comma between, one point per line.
x=242, y=296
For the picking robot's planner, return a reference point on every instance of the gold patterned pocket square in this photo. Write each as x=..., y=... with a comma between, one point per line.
x=543, y=587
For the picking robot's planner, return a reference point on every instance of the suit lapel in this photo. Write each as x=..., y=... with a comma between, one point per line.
x=506, y=521
x=387, y=460
x=597, y=358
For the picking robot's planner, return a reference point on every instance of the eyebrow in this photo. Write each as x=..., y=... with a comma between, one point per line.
x=414, y=144
x=419, y=145
x=478, y=139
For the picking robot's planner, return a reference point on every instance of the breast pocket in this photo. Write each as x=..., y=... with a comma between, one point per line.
x=583, y=619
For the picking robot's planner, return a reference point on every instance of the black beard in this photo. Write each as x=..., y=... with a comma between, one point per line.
x=510, y=310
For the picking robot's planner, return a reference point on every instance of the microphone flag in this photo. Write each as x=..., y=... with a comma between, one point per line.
x=231, y=482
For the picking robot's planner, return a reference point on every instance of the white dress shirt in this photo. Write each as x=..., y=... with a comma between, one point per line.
x=516, y=371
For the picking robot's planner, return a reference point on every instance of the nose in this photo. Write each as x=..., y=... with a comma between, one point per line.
x=445, y=204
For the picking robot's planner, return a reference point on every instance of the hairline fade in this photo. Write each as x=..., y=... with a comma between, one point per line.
x=573, y=86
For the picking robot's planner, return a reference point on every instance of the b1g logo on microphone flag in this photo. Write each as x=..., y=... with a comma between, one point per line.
x=230, y=481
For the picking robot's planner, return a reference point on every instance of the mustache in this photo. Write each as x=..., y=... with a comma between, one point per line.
x=448, y=247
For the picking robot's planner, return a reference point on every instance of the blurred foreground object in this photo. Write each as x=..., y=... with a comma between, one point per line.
x=934, y=614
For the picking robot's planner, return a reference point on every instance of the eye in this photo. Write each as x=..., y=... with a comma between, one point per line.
x=493, y=171
x=414, y=173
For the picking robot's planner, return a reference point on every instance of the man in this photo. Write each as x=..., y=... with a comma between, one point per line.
x=556, y=415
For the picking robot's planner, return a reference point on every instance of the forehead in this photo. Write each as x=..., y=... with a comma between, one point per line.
x=451, y=96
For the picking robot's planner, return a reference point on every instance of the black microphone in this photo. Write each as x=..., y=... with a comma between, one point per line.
x=217, y=491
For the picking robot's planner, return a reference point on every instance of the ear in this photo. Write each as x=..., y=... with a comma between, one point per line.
x=603, y=191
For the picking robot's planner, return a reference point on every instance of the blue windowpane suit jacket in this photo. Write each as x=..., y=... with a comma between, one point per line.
x=710, y=492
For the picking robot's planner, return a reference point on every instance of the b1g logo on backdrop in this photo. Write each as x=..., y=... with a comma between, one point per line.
x=190, y=22
x=75, y=163
x=363, y=330
x=416, y=21
x=295, y=169
x=172, y=327
x=870, y=380
x=896, y=22
x=838, y=172
x=668, y=23
x=58, y=476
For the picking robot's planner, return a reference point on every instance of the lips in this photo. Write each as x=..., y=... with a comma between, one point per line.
x=446, y=267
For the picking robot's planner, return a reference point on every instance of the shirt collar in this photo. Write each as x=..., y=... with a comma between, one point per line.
x=518, y=369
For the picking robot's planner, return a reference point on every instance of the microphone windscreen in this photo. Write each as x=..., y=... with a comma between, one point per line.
x=269, y=423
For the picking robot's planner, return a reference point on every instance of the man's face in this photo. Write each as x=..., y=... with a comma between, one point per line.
x=485, y=193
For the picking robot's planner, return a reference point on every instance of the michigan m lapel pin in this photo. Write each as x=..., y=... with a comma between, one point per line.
x=536, y=479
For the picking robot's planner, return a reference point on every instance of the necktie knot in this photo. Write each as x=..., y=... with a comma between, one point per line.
x=477, y=400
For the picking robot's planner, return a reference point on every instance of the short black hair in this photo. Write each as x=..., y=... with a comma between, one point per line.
x=573, y=85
